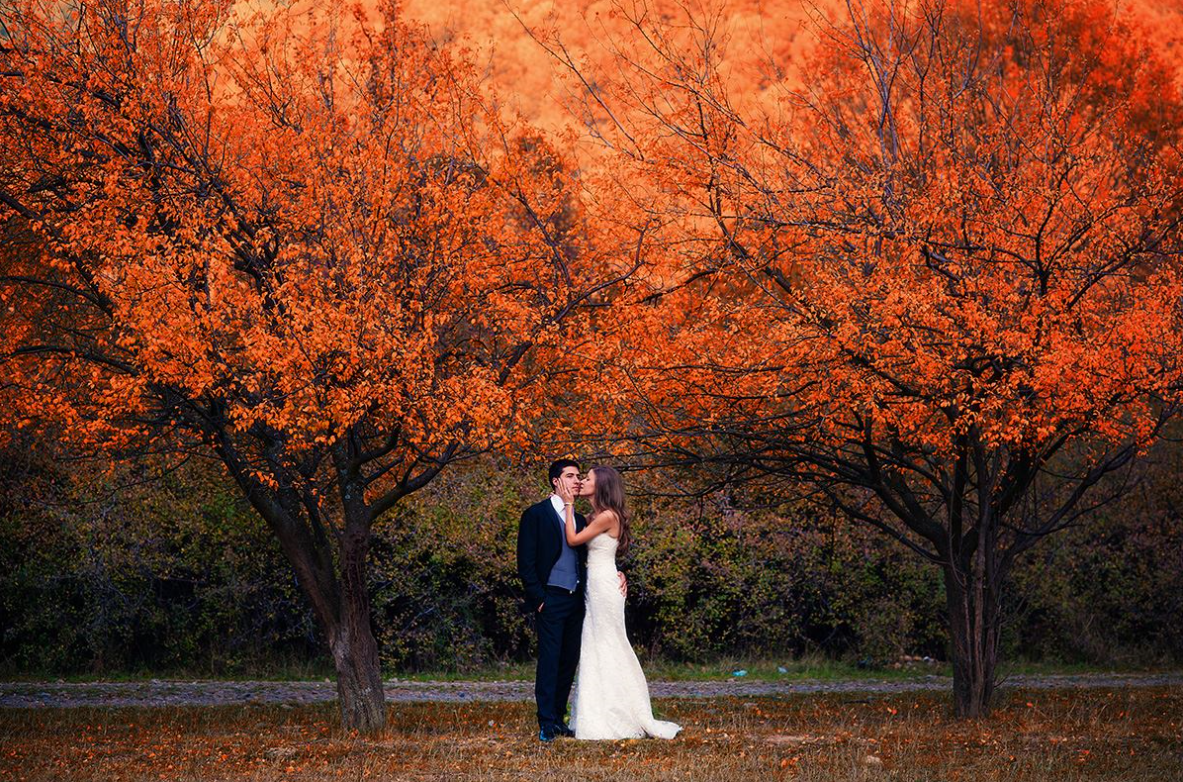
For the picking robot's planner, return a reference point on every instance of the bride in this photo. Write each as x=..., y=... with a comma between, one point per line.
x=611, y=696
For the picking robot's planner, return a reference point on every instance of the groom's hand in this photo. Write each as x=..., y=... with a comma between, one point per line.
x=623, y=583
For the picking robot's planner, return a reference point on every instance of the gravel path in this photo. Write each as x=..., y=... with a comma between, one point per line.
x=216, y=693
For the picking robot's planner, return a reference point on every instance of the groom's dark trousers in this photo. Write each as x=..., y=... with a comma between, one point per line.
x=560, y=627
x=560, y=623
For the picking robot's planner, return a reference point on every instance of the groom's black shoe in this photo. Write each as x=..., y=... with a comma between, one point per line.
x=563, y=729
x=548, y=733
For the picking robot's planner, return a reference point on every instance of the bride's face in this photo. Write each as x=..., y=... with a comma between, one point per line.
x=588, y=486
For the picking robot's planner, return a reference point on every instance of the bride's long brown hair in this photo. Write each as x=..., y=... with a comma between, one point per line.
x=609, y=495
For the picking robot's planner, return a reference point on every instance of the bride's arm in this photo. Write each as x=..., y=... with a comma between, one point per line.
x=599, y=523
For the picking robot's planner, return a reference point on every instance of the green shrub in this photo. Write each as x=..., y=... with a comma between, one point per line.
x=125, y=571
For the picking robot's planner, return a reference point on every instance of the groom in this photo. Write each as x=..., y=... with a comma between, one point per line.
x=554, y=575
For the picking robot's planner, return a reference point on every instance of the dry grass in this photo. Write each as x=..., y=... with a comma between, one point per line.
x=1046, y=736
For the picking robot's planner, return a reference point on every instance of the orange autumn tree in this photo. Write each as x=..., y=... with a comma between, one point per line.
x=933, y=274
x=297, y=241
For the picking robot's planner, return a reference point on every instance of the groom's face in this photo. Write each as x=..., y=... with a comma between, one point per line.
x=569, y=479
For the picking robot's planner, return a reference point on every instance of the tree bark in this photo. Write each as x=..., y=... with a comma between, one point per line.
x=351, y=641
x=973, y=630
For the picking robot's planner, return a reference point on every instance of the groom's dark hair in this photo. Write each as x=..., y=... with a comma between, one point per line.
x=556, y=469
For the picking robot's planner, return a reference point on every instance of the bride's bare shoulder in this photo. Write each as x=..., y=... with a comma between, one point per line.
x=609, y=521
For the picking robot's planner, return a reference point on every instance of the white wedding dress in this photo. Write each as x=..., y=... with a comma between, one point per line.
x=611, y=698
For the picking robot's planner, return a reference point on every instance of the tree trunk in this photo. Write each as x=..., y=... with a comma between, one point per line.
x=359, y=677
x=973, y=630
x=340, y=602
x=341, y=605
x=355, y=652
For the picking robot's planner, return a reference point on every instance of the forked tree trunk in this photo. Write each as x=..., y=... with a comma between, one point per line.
x=341, y=604
x=330, y=569
x=973, y=630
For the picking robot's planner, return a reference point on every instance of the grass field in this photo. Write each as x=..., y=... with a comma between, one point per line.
x=1134, y=734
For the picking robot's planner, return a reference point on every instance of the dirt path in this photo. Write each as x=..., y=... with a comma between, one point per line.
x=215, y=693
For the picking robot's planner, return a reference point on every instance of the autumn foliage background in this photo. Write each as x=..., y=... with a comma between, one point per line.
x=360, y=292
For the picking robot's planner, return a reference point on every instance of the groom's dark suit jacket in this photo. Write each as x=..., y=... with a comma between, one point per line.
x=539, y=545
